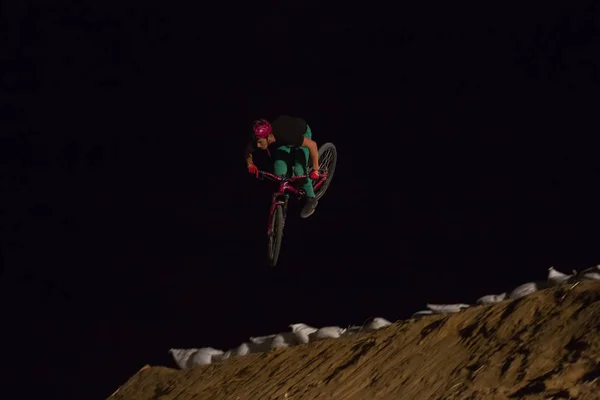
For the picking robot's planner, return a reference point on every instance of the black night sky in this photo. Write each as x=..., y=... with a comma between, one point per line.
x=468, y=163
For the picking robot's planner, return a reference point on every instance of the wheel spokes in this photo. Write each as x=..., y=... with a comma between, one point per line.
x=326, y=160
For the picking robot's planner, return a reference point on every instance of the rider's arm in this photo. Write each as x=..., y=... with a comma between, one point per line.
x=313, y=150
x=248, y=154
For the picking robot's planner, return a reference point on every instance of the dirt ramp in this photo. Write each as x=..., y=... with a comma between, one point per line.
x=543, y=346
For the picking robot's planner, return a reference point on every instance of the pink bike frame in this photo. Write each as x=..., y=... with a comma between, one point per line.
x=285, y=186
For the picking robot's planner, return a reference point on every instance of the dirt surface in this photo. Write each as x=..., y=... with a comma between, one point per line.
x=543, y=346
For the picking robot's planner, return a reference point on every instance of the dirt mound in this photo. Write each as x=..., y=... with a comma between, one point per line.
x=543, y=346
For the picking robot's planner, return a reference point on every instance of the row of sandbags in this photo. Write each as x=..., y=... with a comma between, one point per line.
x=554, y=278
x=299, y=333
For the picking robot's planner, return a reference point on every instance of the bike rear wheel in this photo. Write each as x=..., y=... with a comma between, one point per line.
x=327, y=163
x=276, y=235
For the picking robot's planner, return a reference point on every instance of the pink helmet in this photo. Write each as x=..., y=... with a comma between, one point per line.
x=262, y=128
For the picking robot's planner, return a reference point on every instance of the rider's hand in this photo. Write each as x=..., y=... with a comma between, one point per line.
x=253, y=170
x=314, y=174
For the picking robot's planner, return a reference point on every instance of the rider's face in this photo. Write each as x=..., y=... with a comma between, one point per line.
x=262, y=143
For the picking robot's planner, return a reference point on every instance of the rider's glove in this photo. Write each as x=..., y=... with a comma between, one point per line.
x=253, y=170
x=314, y=175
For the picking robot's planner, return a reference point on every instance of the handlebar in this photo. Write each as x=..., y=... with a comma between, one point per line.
x=279, y=178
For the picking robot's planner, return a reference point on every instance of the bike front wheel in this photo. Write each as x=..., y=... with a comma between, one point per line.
x=276, y=234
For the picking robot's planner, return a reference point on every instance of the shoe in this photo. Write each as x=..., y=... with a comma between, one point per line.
x=309, y=207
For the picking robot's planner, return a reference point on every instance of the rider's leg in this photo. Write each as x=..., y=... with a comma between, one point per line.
x=301, y=166
x=282, y=159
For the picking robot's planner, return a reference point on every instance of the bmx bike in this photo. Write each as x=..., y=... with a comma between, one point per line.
x=289, y=186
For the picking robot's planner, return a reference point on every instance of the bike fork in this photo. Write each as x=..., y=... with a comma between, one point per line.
x=274, y=205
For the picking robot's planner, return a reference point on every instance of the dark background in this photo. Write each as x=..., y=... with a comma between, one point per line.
x=467, y=164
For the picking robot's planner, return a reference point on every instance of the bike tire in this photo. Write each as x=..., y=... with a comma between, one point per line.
x=276, y=235
x=330, y=167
